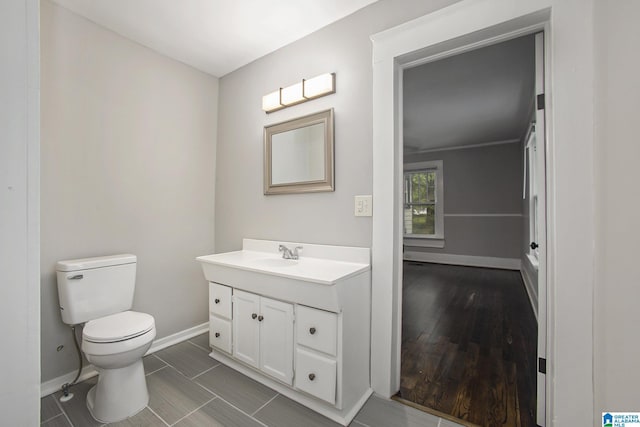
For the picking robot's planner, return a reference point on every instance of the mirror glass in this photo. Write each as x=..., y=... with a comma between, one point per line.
x=299, y=155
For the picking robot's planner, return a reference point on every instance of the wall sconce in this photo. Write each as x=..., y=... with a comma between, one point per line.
x=304, y=91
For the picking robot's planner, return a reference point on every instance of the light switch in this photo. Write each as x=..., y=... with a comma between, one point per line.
x=363, y=205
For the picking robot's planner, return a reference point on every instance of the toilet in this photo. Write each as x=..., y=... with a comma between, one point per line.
x=98, y=292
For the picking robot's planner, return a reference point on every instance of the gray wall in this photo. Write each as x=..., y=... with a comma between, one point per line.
x=479, y=181
x=344, y=48
x=128, y=159
x=617, y=284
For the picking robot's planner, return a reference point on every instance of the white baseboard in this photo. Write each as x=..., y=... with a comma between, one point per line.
x=54, y=385
x=468, y=260
x=178, y=337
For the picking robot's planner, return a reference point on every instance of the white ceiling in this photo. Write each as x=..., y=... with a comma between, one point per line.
x=215, y=36
x=481, y=96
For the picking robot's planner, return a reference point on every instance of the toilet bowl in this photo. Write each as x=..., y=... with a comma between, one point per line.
x=98, y=293
x=115, y=345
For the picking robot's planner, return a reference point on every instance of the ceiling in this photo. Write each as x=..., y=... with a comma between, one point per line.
x=214, y=36
x=482, y=96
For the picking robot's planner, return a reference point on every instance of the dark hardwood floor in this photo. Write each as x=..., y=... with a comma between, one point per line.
x=469, y=344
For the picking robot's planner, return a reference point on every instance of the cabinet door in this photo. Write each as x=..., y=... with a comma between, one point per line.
x=316, y=375
x=317, y=329
x=220, y=300
x=220, y=333
x=246, y=328
x=276, y=339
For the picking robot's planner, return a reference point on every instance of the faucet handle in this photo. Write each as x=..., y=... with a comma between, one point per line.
x=295, y=250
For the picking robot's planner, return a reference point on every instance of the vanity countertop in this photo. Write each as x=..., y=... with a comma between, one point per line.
x=320, y=264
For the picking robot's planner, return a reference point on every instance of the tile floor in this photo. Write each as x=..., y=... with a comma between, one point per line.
x=187, y=388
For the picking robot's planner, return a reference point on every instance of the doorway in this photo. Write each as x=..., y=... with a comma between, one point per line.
x=569, y=164
x=467, y=347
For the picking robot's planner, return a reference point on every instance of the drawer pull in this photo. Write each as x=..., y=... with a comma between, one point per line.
x=312, y=331
x=217, y=301
x=260, y=318
x=253, y=315
x=217, y=334
x=312, y=377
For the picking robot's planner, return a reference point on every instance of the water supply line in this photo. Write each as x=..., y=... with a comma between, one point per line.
x=65, y=387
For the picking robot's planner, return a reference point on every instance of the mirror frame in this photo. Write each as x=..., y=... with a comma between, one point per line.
x=327, y=184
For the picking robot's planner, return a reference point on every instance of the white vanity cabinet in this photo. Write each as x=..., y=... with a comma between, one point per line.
x=220, y=317
x=301, y=327
x=263, y=334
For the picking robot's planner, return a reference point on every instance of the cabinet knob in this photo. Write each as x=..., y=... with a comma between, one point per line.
x=217, y=334
x=253, y=315
x=312, y=377
x=312, y=331
x=533, y=245
x=260, y=318
x=217, y=301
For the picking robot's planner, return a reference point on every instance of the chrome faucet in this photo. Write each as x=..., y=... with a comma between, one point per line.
x=288, y=253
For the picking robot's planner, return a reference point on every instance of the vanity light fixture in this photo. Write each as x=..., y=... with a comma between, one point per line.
x=307, y=89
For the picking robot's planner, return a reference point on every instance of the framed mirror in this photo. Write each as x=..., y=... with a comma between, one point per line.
x=298, y=155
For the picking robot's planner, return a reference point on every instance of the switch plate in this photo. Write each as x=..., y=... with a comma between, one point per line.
x=363, y=205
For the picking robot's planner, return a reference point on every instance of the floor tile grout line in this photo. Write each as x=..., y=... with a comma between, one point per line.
x=205, y=371
x=153, y=372
x=208, y=350
x=181, y=373
x=62, y=410
x=269, y=401
x=195, y=410
x=233, y=406
x=162, y=360
x=50, y=418
x=157, y=415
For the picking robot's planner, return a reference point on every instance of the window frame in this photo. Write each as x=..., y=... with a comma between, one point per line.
x=435, y=240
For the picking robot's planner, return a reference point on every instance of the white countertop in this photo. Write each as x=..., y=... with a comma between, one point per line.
x=307, y=268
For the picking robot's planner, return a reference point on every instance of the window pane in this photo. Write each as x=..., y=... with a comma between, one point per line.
x=419, y=219
x=420, y=187
x=431, y=186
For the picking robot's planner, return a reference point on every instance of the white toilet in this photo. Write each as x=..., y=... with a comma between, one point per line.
x=99, y=293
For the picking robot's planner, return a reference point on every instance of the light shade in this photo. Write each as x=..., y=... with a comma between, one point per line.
x=320, y=86
x=291, y=95
x=271, y=102
x=306, y=90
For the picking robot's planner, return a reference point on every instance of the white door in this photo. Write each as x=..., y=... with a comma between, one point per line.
x=539, y=242
x=276, y=339
x=246, y=327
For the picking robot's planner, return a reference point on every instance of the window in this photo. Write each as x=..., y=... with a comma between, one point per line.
x=424, y=204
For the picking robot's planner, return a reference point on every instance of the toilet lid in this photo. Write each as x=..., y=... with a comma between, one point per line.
x=118, y=327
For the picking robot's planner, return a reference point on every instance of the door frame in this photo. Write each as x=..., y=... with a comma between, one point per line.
x=462, y=26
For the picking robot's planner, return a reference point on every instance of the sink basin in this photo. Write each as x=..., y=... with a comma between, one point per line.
x=275, y=262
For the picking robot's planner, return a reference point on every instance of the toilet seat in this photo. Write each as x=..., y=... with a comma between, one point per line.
x=117, y=327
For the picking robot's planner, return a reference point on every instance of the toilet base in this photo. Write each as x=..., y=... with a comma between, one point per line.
x=119, y=394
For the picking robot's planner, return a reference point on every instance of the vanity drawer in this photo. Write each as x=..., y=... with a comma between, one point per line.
x=316, y=375
x=220, y=333
x=317, y=329
x=220, y=300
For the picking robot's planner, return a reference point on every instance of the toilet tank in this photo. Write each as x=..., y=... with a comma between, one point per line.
x=89, y=288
